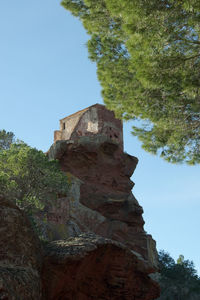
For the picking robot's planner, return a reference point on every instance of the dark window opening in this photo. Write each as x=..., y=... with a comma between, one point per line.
x=115, y=136
x=63, y=126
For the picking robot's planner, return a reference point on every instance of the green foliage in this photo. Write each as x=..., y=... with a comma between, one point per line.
x=178, y=281
x=148, y=63
x=180, y=260
x=6, y=139
x=28, y=178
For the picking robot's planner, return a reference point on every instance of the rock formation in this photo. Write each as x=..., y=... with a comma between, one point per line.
x=89, y=147
x=20, y=255
x=101, y=200
x=96, y=247
x=91, y=267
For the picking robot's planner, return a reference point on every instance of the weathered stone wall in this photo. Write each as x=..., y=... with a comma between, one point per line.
x=70, y=125
x=89, y=122
x=57, y=135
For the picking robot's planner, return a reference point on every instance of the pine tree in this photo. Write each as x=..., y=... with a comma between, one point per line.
x=178, y=281
x=148, y=63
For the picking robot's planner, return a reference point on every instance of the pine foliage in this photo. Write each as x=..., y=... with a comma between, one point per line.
x=27, y=177
x=148, y=63
x=178, y=281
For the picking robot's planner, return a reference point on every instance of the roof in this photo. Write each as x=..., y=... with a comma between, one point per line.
x=81, y=111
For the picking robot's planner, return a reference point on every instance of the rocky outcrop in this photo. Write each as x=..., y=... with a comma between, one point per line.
x=81, y=268
x=92, y=267
x=100, y=200
x=20, y=255
x=95, y=244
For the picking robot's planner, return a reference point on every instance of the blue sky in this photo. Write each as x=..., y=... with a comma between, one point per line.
x=45, y=75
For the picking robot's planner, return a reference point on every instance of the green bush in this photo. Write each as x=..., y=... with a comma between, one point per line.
x=28, y=178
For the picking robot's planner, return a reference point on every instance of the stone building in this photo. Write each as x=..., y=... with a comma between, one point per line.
x=93, y=120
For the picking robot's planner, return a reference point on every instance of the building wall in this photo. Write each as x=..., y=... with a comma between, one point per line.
x=57, y=135
x=91, y=121
x=70, y=124
x=88, y=124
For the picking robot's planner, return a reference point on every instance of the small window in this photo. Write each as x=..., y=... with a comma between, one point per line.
x=63, y=126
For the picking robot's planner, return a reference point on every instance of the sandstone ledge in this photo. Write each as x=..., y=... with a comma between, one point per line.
x=93, y=267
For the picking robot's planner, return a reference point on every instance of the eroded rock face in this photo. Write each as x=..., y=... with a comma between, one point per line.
x=98, y=248
x=20, y=255
x=100, y=199
x=81, y=268
x=92, y=267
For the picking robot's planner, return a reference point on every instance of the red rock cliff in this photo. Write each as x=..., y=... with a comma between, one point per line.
x=105, y=203
x=100, y=201
x=96, y=246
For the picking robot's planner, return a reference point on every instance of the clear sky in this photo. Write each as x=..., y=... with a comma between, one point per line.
x=45, y=75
